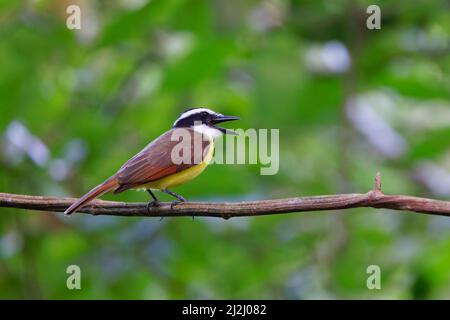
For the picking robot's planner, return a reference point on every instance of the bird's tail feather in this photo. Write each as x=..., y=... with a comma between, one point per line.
x=103, y=188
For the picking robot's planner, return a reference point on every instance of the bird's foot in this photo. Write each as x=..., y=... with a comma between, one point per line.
x=174, y=203
x=151, y=204
x=177, y=202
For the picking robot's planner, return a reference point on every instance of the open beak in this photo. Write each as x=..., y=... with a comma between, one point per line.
x=220, y=119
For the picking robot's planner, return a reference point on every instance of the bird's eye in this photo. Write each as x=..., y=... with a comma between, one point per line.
x=204, y=114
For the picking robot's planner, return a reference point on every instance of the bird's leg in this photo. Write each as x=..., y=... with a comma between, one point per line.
x=154, y=202
x=173, y=194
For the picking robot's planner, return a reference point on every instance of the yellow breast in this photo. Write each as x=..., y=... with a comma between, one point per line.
x=184, y=176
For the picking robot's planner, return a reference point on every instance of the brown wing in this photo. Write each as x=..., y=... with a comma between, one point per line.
x=155, y=162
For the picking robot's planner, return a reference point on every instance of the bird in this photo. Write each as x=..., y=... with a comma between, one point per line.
x=154, y=168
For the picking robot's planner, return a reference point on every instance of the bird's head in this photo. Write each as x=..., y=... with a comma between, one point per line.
x=204, y=120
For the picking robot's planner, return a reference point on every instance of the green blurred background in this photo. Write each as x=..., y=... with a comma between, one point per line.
x=76, y=104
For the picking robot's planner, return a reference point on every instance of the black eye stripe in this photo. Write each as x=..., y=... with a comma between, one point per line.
x=192, y=119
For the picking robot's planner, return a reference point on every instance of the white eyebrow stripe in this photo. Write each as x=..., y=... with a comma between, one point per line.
x=193, y=111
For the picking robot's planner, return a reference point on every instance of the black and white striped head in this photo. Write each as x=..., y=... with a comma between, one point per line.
x=203, y=120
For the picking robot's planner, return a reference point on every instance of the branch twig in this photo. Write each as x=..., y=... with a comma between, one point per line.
x=373, y=199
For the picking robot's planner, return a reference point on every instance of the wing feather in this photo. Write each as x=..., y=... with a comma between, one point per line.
x=154, y=162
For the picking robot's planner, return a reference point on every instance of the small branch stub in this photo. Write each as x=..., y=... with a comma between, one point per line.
x=378, y=183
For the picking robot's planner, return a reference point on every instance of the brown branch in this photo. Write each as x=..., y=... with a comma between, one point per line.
x=373, y=199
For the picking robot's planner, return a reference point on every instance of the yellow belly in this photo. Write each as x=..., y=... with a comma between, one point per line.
x=184, y=176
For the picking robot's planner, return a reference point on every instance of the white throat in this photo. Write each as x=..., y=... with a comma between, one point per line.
x=207, y=131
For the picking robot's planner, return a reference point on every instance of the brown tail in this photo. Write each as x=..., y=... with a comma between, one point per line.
x=103, y=188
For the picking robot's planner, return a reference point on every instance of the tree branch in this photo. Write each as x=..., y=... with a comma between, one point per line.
x=373, y=199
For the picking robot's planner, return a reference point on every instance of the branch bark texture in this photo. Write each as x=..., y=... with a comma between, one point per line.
x=374, y=199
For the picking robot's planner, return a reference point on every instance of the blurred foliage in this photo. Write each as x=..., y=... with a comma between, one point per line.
x=76, y=104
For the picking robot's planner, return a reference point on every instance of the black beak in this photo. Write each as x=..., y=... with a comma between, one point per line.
x=220, y=119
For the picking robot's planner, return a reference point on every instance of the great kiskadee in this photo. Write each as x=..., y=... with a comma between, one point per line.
x=154, y=167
